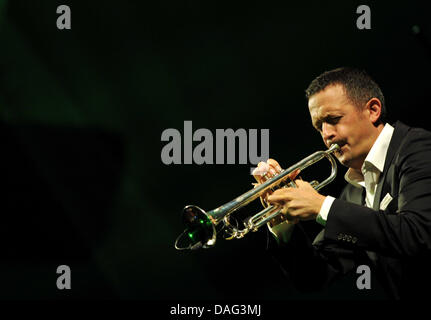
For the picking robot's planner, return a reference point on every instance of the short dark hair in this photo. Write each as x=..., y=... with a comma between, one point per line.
x=358, y=85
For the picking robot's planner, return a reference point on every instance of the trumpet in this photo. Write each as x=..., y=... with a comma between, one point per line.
x=201, y=225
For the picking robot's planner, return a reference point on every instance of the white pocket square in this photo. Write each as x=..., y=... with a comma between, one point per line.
x=386, y=200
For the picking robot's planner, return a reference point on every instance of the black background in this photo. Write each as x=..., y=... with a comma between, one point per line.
x=82, y=112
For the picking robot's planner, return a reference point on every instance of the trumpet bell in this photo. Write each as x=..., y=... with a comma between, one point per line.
x=200, y=230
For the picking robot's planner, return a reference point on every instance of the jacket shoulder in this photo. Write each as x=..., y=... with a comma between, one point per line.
x=416, y=141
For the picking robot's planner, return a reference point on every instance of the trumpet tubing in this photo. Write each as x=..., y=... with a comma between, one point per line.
x=201, y=225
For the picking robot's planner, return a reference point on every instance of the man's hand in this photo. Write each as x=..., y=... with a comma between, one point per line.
x=265, y=171
x=302, y=203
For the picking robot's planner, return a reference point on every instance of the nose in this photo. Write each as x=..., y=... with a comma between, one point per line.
x=328, y=133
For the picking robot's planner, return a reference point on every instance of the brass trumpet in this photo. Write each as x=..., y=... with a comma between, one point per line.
x=201, y=225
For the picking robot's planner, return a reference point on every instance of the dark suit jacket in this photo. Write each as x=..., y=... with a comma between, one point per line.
x=395, y=243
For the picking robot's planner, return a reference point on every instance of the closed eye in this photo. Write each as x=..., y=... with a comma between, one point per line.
x=332, y=120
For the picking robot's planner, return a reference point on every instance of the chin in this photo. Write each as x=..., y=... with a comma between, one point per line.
x=344, y=160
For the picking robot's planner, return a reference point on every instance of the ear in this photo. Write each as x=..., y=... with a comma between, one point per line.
x=374, y=110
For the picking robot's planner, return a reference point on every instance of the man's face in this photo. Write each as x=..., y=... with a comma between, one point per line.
x=339, y=121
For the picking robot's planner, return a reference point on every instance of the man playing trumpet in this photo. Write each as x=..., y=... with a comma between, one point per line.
x=383, y=216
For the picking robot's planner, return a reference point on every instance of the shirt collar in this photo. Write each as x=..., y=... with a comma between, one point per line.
x=375, y=159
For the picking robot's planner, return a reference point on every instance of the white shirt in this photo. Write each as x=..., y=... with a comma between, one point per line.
x=371, y=170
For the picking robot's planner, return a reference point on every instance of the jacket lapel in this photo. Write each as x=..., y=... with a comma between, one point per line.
x=400, y=131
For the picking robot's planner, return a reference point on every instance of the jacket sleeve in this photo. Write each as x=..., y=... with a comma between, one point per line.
x=404, y=227
x=313, y=265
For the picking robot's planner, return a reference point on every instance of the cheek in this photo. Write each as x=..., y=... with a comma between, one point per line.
x=347, y=132
x=342, y=133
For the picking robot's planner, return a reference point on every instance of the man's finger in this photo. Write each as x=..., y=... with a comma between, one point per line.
x=288, y=216
x=274, y=164
x=294, y=174
x=261, y=171
x=279, y=197
x=301, y=183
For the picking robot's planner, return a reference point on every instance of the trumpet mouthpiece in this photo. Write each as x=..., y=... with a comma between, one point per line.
x=334, y=147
